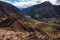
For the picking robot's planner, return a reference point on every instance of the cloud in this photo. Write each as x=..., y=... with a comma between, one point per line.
x=22, y=3
x=27, y=3
x=5, y=1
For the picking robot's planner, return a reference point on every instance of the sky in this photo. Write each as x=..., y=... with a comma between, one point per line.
x=28, y=3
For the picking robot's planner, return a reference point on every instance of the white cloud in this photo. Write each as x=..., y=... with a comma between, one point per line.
x=22, y=3
x=8, y=2
x=5, y=1
x=27, y=3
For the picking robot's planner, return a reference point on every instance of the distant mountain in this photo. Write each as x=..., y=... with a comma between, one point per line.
x=44, y=10
x=20, y=8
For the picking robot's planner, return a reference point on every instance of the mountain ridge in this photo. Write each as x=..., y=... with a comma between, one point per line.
x=10, y=11
x=45, y=10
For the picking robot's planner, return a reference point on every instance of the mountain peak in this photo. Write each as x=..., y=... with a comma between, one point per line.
x=44, y=10
x=46, y=3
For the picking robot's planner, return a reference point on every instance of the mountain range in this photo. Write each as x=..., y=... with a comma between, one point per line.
x=10, y=16
x=14, y=19
x=43, y=10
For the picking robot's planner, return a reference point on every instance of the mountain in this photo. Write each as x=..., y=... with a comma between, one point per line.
x=43, y=10
x=8, y=10
x=57, y=8
x=8, y=14
x=11, y=17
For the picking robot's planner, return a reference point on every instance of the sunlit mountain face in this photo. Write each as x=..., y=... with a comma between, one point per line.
x=28, y=3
